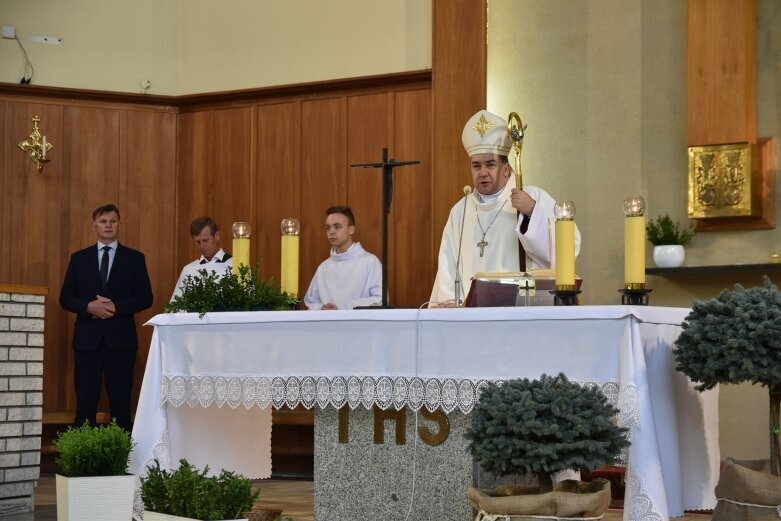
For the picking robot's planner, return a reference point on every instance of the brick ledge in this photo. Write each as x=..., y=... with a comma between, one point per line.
x=28, y=290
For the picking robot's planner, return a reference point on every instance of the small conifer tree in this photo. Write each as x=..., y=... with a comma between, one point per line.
x=734, y=338
x=542, y=427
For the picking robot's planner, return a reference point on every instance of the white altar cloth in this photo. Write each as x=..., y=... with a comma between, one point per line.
x=205, y=375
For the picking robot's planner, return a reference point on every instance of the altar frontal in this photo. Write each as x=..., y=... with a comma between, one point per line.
x=371, y=464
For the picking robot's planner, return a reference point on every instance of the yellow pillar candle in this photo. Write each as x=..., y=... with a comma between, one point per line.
x=241, y=233
x=240, y=254
x=634, y=243
x=565, y=254
x=289, y=270
x=564, y=211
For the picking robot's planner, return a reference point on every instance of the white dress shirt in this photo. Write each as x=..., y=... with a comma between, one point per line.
x=218, y=264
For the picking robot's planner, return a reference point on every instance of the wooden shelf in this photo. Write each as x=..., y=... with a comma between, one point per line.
x=704, y=270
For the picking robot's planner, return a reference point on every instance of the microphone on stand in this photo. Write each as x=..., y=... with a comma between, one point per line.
x=458, y=282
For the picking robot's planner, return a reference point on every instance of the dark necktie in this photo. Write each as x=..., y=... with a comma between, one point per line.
x=104, y=267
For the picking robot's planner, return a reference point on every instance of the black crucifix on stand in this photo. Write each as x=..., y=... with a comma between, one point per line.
x=387, y=166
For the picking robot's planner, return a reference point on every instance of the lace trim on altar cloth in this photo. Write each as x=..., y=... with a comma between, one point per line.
x=385, y=392
x=138, y=503
x=162, y=453
x=640, y=504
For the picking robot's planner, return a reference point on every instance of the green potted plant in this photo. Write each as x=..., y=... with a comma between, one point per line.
x=734, y=338
x=540, y=427
x=242, y=291
x=669, y=240
x=189, y=493
x=93, y=483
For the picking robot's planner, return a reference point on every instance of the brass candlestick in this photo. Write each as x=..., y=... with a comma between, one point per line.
x=36, y=145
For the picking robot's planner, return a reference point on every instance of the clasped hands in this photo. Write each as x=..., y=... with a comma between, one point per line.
x=101, y=307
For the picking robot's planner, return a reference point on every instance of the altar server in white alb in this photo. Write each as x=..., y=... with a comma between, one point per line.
x=351, y=276
x=206, y=237
x=484, y=227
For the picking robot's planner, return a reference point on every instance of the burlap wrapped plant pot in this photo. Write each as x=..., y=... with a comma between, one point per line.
x=747, y=492
x=569, y=499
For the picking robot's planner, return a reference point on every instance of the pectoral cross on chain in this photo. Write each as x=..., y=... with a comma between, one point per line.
x=482, y=244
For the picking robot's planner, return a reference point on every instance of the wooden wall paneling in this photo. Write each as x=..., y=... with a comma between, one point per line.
x=721, y=72
x=252, y=187
x=31, y=196
x=149, y=209
x=721, y=96
x=90, y=179
x=369, y=123
x=194, y=182
x=292, y=145
x=458, y=91
x=5, y=209
x=323, y=176
x=91, y=173
x=277, y=181
x=413, y=276
x=296, y=91
x=231, y=174
x=58, y=386
x=34, y=234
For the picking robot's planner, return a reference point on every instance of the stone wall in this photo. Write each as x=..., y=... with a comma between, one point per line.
x=21, y=396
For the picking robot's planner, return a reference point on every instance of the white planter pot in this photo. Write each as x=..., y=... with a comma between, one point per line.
x=669, y=255
x=155, y=516
x=98, y=498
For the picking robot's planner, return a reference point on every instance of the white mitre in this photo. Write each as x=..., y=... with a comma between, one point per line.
x=486, y=133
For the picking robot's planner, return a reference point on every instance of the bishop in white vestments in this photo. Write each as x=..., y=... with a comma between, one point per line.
x=484, y=228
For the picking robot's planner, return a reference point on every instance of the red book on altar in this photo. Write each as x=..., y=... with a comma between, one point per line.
x=513, y=289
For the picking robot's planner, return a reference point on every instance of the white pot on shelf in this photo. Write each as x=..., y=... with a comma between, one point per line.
x=669, y=255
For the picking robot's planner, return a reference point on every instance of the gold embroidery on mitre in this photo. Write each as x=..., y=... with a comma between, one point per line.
x=483, y=125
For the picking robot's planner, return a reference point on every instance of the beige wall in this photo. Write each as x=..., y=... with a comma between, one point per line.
x=106, y=45
x=602, y=86
x=193, y=46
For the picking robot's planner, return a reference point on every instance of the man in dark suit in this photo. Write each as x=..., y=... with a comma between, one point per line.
x=105, y=285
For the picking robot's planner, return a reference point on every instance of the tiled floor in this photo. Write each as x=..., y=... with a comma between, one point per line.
x=294, y=498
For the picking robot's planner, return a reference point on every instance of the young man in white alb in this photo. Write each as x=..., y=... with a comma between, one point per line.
x=351, y=276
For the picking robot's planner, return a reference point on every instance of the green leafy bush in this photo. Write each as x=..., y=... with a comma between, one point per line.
x=663, y=230
x=188, y=492
x=542, y=427
x=243, y=291
x=734, y=338
x=93, y=451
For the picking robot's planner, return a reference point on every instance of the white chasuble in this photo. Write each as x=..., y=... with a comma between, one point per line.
x=493, y=229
